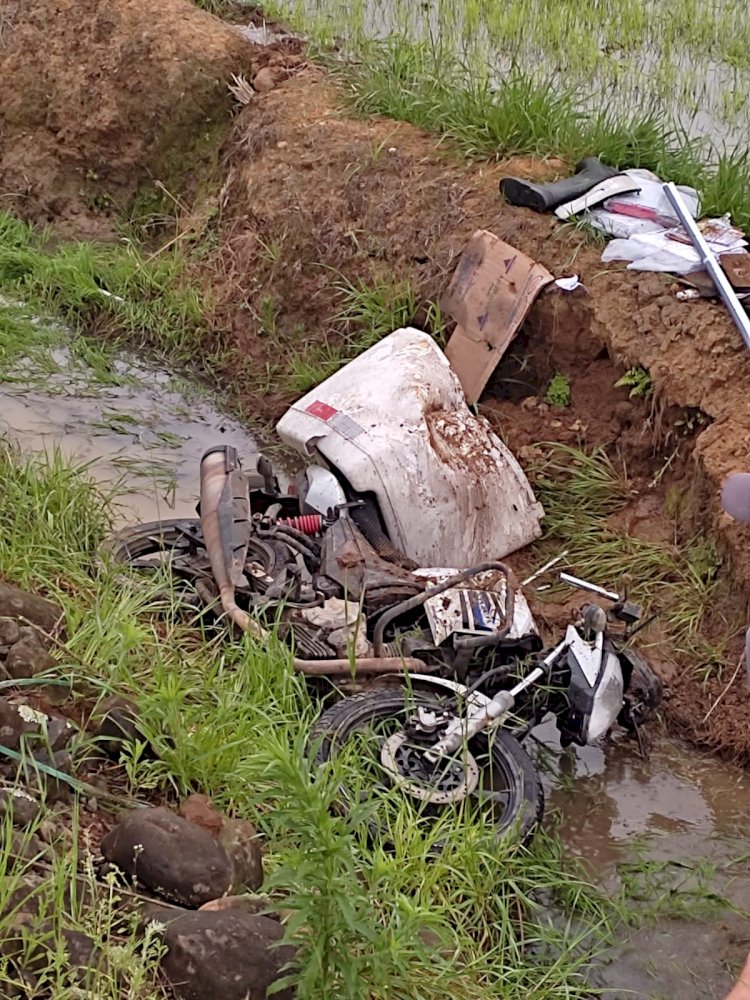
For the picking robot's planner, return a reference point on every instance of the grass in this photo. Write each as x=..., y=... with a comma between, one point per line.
x=638, y=380
x=97, y=288
x=368, y=311
x=558, y=391
x=506, y=79
x=679, y=580
x=450, y=911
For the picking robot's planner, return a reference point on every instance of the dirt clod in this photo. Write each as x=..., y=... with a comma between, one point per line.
x=264, y=80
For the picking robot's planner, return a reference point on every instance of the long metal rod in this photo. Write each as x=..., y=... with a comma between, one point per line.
x=593, y=588
x=711, y=263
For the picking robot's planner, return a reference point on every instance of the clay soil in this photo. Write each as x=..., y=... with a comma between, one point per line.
x=307, y=196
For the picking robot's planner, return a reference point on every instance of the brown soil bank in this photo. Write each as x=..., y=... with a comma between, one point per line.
x=313, y=197
x=98, y=96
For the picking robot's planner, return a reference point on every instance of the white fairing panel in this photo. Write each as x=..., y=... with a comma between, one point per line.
x=395, y=423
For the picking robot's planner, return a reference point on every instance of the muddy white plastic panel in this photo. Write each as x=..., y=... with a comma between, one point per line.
x=394, y=422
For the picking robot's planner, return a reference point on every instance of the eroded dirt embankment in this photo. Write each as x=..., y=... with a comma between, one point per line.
x=99, y=97
x=307, y=197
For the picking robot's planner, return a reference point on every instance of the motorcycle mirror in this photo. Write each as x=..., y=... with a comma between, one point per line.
x=735, y=496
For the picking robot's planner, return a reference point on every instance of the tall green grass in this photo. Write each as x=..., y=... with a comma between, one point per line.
x=114, y=288
x=527, y=113
x=582, y=491
x=449, y=911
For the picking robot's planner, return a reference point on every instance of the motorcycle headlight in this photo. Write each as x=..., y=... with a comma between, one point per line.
x=607, y=701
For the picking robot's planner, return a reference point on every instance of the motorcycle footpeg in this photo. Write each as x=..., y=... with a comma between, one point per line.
x=546, y=197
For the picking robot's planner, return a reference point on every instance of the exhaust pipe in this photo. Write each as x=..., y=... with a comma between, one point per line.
x=219, y=514
x=365, y=665
x=217, y=500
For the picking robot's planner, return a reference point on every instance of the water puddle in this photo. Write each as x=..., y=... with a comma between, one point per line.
x=140, y=430
x=670, y=832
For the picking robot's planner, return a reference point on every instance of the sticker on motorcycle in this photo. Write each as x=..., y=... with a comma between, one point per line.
x=468, y=611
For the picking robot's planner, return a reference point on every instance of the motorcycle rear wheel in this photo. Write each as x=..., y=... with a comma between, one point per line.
x=509, y=782
x=144, y=546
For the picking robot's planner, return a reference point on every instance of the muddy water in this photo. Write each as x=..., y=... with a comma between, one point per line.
x=144, y=433
x=671, y=831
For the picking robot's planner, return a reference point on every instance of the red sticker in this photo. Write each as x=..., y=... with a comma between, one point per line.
x=322, y=410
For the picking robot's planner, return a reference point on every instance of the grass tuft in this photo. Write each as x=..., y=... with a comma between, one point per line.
x=582, y=493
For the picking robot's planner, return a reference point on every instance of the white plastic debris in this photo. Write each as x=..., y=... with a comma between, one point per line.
x=569, y=284
x=667, y=250
x=395, y=423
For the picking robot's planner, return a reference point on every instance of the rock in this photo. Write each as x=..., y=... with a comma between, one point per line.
x=239, y=838
x=169, y=854
x=117, y=725
x=33, y=944
x=28, y=657
x=24, y=808
x=9, y=632
x=256, y=905
x=13, y=725
x=227, y=953
x=25, y=846
x=264, y=80
x=59, y=732
x=19, y=604
x=52, y=788
x=199, y=809
x=160, y=914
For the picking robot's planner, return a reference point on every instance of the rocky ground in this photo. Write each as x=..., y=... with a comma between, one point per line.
x=191, y=874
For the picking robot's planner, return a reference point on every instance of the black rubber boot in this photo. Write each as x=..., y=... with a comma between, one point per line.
x=546, y=197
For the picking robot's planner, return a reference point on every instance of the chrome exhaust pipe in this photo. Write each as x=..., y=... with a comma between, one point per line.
x=214, y=480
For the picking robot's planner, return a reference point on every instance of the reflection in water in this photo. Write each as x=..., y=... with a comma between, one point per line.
x=676, y=806
x=608, y=796
x=141, y=432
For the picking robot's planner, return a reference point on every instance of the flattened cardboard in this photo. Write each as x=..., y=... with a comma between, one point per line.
x=737, y=268
x=489, y=296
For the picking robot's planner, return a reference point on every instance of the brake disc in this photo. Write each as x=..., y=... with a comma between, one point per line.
x=440, y=782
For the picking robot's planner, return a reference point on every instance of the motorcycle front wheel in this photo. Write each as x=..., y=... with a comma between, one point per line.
x=493, y=773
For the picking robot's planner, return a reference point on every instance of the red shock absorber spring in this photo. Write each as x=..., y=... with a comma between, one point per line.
x=308, y=524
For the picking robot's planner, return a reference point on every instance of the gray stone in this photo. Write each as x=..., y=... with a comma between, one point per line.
x=23, y=807
x=20, y=604
x=239, y=838
x=171, y=855
x=52, y=788
x=14, y=725
x=230, y=954
x=116, y=721
x=27, y=658
x=9, y=632
x=32, y=943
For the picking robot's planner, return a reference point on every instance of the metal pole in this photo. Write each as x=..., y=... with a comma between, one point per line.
x=575, y=581
x=710, y=262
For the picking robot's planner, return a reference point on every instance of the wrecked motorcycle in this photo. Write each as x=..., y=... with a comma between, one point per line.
x=375, y=565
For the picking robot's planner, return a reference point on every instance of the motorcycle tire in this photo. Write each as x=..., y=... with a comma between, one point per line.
x=137, y=545
x=518, y=805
